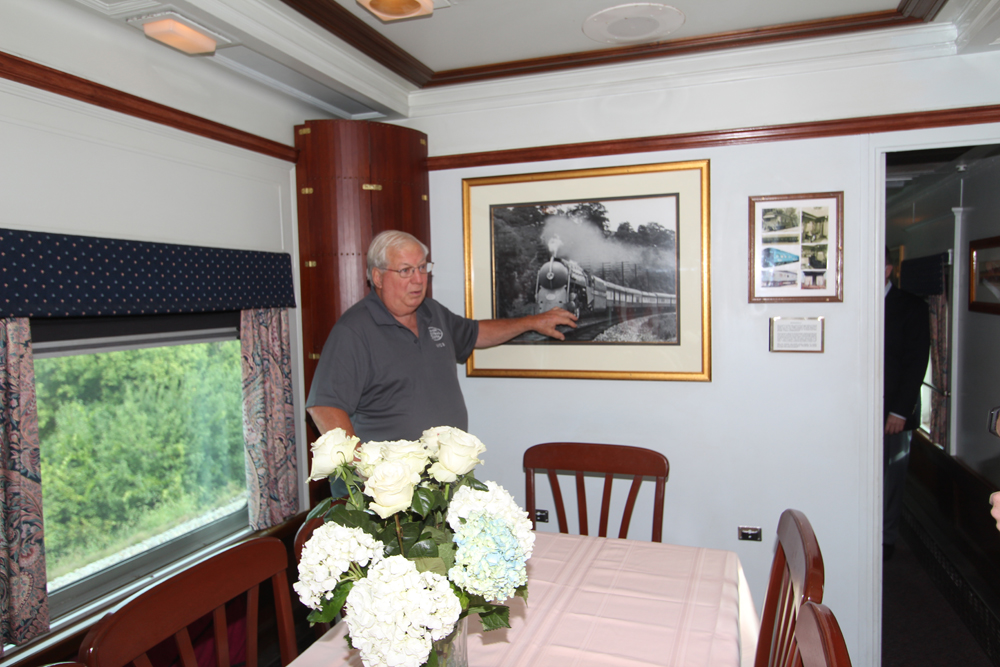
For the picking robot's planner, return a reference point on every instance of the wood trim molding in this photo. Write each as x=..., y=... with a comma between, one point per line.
x=678, y=47
x=339, y=21
x=61, y=83
x=342, y=23
x=751, y=135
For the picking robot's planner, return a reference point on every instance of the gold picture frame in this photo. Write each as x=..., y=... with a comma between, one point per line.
x=642, y=289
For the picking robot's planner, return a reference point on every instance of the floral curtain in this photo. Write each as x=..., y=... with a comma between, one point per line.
x=24, y=606
x=940, y=368
x=268, y=417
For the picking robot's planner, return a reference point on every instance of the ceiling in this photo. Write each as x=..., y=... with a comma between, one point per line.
x=338, y=57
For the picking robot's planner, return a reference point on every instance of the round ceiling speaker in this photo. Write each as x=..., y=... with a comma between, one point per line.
x=634, y=22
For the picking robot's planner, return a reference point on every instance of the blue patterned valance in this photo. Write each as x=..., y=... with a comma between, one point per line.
x=57, y=275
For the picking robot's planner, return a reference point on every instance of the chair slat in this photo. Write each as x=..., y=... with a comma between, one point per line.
x=252, y=600
x=581, y=458
x=185, y=649
x=221, y=636
x=142, y=660
x=558, y=500
x=633, y=493
x=606, y=505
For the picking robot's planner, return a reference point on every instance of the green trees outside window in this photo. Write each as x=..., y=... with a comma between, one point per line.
x=134, y=442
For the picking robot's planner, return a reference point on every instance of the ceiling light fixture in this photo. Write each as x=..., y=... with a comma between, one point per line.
x=181, y=37
x=393, y=10
x=632, y=23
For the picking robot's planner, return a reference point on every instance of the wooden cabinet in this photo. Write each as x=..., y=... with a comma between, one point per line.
x=354, y=179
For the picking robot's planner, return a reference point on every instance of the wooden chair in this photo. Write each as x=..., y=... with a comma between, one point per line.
x=582, y=457
x=819, y=641
x=796, y=577
x=166, y=610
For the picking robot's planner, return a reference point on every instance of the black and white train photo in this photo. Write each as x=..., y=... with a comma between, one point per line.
x=611, y=262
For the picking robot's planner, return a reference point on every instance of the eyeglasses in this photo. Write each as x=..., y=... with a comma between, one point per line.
x=408, y=271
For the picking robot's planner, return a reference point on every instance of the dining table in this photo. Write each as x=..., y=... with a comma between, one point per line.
x=595, y=601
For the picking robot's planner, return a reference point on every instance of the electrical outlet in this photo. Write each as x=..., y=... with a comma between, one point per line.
x=750, y=533
x=541, y=516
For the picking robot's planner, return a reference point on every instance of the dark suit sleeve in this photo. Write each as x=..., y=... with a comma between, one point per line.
x=914, y=347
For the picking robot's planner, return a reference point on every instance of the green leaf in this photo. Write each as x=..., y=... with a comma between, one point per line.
x=432, y=659
x=411, y=534
x=435, y=565
x=340, y=594
x=446, y=552
x=354, y=519
x=470, y=480
x=423, y=501
x=498, y=617
x=320, y=509
x=522, y=592
x=423, y=548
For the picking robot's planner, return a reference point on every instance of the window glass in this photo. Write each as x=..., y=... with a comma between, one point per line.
x=139, y=446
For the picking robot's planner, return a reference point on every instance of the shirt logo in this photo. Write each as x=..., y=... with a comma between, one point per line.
x=436, y=334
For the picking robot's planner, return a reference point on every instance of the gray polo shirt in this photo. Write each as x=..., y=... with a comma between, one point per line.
x=392, y=383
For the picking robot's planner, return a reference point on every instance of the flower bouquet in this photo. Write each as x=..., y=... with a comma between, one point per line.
x=418, y=544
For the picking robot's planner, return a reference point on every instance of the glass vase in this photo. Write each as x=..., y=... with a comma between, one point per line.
x=452, y=651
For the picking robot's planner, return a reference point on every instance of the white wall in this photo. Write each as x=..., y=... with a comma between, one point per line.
x=771, y=431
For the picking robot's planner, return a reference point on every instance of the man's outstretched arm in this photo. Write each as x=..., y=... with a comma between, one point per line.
x=495, y=332
x=327, y=419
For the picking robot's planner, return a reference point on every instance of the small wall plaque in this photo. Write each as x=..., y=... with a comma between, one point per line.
x=797, y=334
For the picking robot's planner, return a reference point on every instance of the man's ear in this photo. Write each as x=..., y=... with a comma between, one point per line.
x=376, y=279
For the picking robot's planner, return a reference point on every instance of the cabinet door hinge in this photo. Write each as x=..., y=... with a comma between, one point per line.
x=307, y=191
x=314, y=356
x=305, y=130
x=371, y=186
x=423, y=197
x=310, y=265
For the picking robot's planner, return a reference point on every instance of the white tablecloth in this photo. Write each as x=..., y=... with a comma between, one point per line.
x=608, y=602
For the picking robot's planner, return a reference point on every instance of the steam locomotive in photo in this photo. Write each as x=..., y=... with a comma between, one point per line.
x=562, y=283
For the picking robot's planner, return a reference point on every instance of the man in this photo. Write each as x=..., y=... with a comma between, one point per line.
x=388, y=369
x=907, y=343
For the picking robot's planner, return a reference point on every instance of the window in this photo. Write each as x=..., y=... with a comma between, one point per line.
x=141, y=440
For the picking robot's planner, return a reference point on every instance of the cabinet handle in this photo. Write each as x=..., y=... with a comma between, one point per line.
x=307, y=191
x=310, y=265
x=371, y=186
x=305, y=130
x=313, y=355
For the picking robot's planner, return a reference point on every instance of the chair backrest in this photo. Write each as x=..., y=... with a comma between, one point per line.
x=583, y=457
x=820, y=642
x=796, y=577
x=167, y=609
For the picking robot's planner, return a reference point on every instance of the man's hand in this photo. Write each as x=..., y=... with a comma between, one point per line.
x=546, y=323
x=894, y=425
x=995, y=501
x=495, y=332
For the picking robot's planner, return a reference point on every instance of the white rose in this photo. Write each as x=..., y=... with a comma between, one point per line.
x=413, y=454
x=369, y=455
x=334, y=448
x=391, y=486
x=430, y=439
x=458, y=453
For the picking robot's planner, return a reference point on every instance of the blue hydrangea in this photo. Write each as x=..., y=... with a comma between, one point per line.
x=490, y=560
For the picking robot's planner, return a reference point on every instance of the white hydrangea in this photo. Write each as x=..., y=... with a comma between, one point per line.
x=494, y=541
x=327, y=555
x=395, y=613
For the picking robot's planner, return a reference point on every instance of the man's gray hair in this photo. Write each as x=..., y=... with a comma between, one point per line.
x=378, y=251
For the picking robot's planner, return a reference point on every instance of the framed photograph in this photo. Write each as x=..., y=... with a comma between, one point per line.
x=984, y=275
x=626, y=249
x=797, y=247
x=796, y=334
